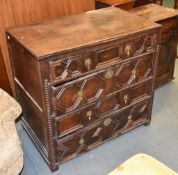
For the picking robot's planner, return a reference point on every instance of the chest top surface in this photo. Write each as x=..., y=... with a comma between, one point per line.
x=155, y=12
x=75, y=31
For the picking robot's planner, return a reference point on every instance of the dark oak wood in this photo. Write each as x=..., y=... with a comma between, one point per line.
x=145, y=2
x=124, y=4
x=168, y=19
x=4, y=81
x=83, y=79
x=35, y=40
x=175, y=4
x=103, y=130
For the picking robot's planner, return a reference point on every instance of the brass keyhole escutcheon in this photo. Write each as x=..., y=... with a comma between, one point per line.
x=89, y=115
x=109, y=74
x=88, y=64
x=134, y=73
x=125, y=99
x=128, y=50
x=81, y=142
x=107, y=121
x=80, y=95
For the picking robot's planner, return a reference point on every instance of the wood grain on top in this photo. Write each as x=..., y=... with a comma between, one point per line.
x=75, y=31
x=155, y=12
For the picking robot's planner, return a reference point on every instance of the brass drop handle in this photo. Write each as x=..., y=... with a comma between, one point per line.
x=107, y=121
x=130, y=118
x=109, y=74
x=88, y=64
x=125, y=99
x=134, y=73
x=81, y=142
x=80, y=95
x=127, y=50
x=89, y=115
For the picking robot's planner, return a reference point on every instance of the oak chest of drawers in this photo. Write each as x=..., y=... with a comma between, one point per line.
x=83, y=79
x=168, y=19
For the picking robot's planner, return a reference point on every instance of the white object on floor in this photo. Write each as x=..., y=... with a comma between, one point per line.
x=11, y=154
x=142, y=164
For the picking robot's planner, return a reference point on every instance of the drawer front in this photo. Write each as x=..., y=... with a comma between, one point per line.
x=103, y=56
x=65, y=69
x=84, y=140
x=69, y=123
x=81, y=92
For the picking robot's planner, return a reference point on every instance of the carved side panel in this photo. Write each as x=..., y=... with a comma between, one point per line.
x=167, y=52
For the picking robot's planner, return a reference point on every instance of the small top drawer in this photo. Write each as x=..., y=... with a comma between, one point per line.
x=102, y=56
x=74, y=66
x=138, y=46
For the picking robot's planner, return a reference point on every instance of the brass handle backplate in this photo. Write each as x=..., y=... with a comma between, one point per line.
x=81, y=142
x=107, y=121
x=89, y=114
x=109, y=74
x=125, y=99
x=88, y=64
x=127, y=50
x=130, y=118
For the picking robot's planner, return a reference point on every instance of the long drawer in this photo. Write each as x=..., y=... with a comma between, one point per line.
x=78, y=119
x=105, y=55
x=78, y=93
x=114, y=125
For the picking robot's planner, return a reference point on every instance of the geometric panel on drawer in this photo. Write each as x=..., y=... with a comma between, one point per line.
x=62, y=70
x=143, y=68
x=108, y=105
x=68, y=98
x=92, y=88
x=139, y=46
x=124, y=75
x=139, y=111
x=70, y=123
x=71, y=97
x=144, y=44
x=132, y=72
